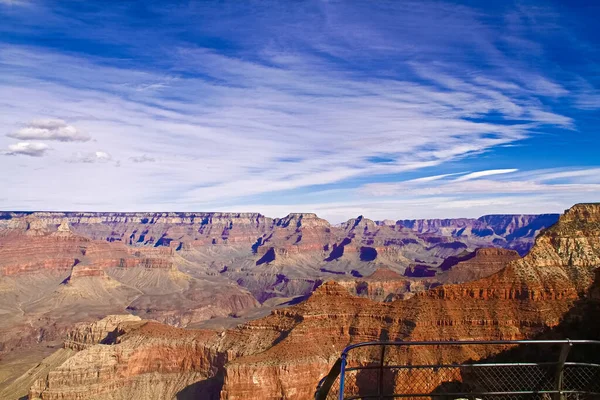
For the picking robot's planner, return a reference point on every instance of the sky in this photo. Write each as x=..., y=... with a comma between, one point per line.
x=387, y=109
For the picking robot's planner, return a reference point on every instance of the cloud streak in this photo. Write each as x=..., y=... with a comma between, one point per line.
x=383, y=105
x=531, y=182
x=335, y=121
x=481, y=174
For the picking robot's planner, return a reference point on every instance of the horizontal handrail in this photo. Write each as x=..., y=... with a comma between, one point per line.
x=495, y=365
x=469, y=342
x=395, y=396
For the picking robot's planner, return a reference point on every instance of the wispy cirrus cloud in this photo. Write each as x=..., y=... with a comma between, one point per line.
x=336, y=121
x=575, y=181
x=480, y=174
x=363, y=95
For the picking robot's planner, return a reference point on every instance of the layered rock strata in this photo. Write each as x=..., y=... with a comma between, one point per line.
x=271, y=257
x=387, y=285
x=475, y=265
x=282, y=356
x=52, y=277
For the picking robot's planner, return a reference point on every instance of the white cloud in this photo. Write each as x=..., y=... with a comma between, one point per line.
x=89, y=158
x=32, y=149
x=489, y=172
x=266, y=119
x=49, y=129
x=529, y=182
x=230, y=141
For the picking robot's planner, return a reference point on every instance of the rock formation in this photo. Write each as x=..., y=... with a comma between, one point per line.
x=104, y=331
x=475, y=265
x=52, y=277
x=283, y=355
x=387, y=285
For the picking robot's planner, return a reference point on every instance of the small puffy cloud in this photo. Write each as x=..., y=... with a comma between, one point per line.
x=50, y=129
x=88, y=158
x=32, y=149
x=142, y=159
x=102, y=156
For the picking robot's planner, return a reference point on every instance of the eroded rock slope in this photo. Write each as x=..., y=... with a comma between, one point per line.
x=283, y=355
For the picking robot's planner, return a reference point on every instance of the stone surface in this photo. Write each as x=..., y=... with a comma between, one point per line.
x=387, y=285
x=283, y=355
x=52, y=277
x=183, y=268
x=475, y=265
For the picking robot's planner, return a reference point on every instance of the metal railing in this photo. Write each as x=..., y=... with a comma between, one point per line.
x=449, y=370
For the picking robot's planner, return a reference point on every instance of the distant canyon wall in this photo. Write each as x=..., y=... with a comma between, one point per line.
x=271, y=257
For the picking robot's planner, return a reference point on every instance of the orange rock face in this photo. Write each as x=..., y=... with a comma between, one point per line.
x=283, y=355
x=387, y=285
x=476, y=265
x=52, y=278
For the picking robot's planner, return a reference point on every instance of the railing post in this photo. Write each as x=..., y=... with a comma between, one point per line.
x=327, y=382
x=342, y=376
x=558, y=380
x=381, y=361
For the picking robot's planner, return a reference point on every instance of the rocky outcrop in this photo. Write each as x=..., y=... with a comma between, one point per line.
x=21, y=253
x=284, y=354
x=387, y=285
x=104, y=331
x=420, y=271
x=301, y=220
x=157, y=362
x=475, y=265
x=561, y=265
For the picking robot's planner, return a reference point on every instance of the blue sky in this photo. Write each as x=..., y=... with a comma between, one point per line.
x=389, y=109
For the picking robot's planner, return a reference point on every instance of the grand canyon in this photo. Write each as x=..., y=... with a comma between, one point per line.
x=243, y=306
x=283, y=200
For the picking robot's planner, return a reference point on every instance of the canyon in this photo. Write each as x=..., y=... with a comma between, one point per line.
x=234, y=305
